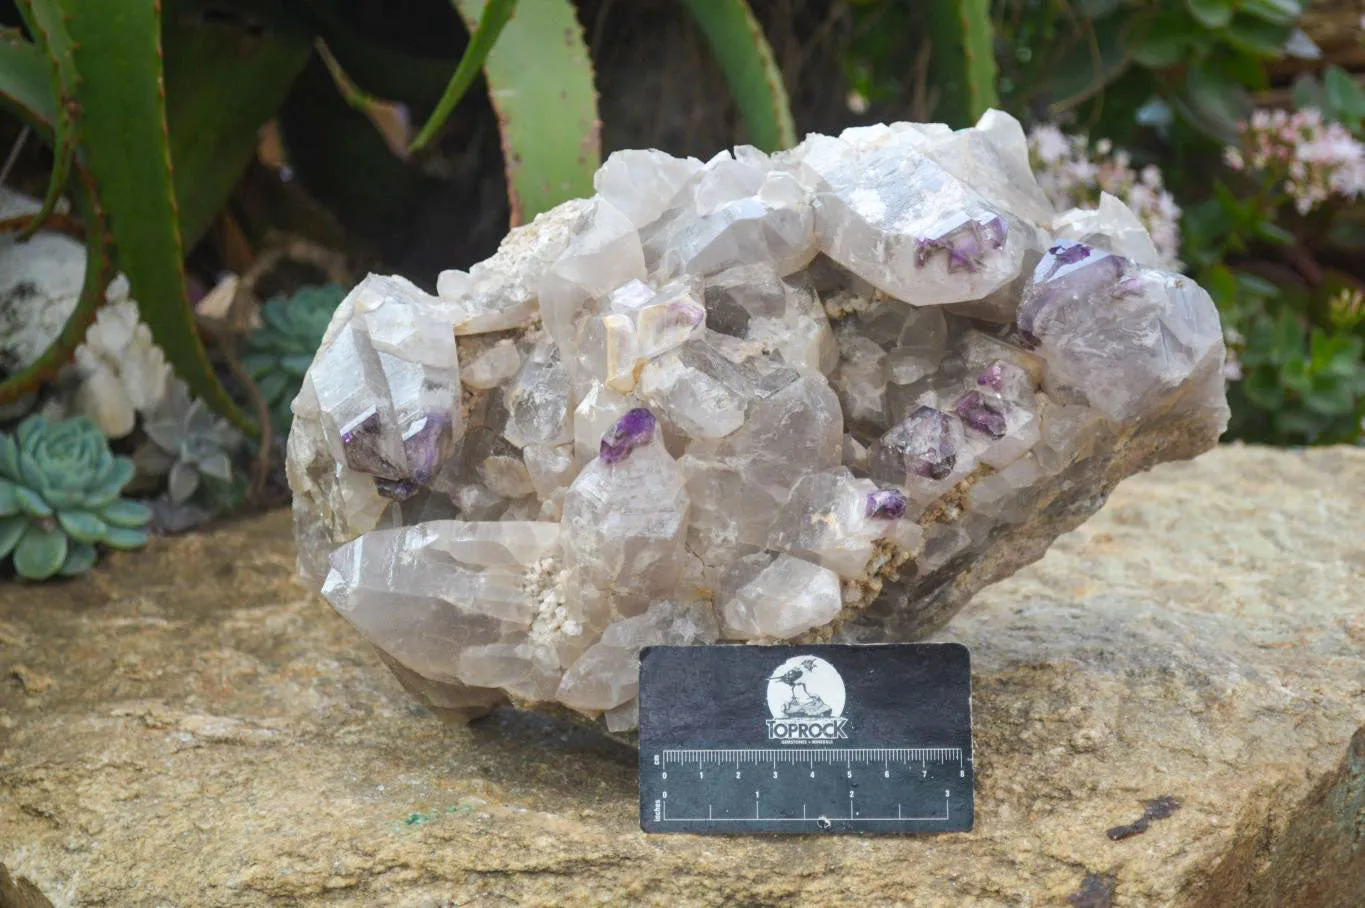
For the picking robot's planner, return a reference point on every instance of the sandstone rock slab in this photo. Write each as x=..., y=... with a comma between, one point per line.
x=188, y=726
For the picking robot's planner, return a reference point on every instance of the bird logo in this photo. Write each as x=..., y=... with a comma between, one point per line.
x=805, y=687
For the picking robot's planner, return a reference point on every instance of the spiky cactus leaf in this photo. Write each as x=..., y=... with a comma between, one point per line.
x=755, y=81
x=80, y=557
x=540, y=84
x=962, y=59
x=127, y=151
x=40, y=552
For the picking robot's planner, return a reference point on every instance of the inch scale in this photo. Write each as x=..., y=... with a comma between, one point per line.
x=693, y=780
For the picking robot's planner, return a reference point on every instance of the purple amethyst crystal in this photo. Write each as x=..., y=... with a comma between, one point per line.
x=925, y=443
x=632, y=430
x=964, y=246
x=1070, y=273
x=994, y=377
x=363, y=443
x=429, y=446
x=396, y=489
x=887, y=504
x=1070, y=254
x=983, y=414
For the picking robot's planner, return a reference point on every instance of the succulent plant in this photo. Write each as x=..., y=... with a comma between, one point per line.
x=279, y=352
x=186, y=442
x=59, y=498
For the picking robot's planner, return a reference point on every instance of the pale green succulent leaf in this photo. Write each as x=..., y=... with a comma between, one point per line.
x=64, y=498
x=28, y=428
x=11, y=528
x=30, y=472
x=40, y=553
x=31, y=503
x=297, y=364
x=164, y=432
x=183, y=481
x=9, y=457
x=258, y=364
x=125, y=538
x=216, y=465
x=275, y=386
x=127, y=514
x=110, y=482
x=80, y=557
x=9, y=504
x=82, y=526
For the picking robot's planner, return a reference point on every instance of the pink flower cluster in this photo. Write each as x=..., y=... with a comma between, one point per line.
x=1073, y=172
x=1311, y=159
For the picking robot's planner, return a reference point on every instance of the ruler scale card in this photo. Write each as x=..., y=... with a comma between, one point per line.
x=806, y=739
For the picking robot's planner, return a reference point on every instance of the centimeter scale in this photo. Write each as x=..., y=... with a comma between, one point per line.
x=806, y=739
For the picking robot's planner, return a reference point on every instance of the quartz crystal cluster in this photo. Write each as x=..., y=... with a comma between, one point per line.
x=825, y=394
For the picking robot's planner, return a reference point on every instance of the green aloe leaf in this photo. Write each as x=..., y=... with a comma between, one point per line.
x=755, y=81
x=482, y=38
x=46, y=23
x=223, y=83
x=25, y=91
x=40, y=553
x=127, y=514
x=80, y=557
x=126, y=149
x=125, y=538
x=540, y=84
x=11, y=528
x=82, y=526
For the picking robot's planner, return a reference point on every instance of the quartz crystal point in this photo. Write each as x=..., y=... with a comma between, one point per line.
x=824, y=394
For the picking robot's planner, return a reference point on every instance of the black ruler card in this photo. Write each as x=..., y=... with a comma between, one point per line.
x=806, y=739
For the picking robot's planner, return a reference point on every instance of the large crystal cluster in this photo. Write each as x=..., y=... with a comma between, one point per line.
x=825, y=394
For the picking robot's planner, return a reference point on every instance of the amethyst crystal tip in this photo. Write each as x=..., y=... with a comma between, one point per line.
x=632, y=430
x=888, y=504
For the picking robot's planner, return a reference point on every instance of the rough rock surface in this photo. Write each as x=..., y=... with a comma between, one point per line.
x=188, y=726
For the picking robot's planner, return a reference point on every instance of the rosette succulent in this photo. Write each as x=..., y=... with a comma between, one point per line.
x=59, y=498
x=279, y=352
x=187, y=442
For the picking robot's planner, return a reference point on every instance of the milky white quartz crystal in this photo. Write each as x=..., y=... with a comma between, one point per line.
x=825, y=394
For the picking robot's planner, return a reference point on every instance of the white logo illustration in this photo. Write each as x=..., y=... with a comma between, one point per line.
x=806, y=699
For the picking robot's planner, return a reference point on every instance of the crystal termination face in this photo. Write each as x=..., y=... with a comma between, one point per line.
x=820, y=395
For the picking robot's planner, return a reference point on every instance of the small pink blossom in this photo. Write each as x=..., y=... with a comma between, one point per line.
x=1073, y=173
x=1310, y=159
